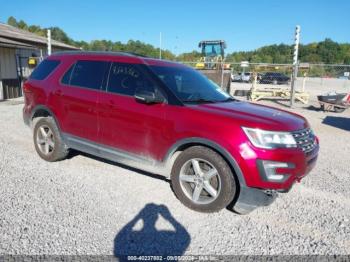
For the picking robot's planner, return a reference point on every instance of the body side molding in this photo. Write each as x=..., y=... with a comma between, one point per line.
x=133, y=160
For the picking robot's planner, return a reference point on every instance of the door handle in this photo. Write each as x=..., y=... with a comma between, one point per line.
x=111, y=104
x=92, y=110
x=58, y=92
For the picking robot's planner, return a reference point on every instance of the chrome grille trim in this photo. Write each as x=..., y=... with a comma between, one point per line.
x=305, y=139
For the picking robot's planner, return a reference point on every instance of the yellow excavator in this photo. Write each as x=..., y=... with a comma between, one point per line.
x=212, y=63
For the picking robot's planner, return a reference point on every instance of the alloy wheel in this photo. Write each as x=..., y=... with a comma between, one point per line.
x=200, y=181
x=45, y=140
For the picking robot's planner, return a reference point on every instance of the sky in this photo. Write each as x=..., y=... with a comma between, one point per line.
x=244, y=25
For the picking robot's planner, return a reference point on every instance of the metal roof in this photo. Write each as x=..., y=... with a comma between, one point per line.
x=4, y=42
x=19, y=35
x=208, y=42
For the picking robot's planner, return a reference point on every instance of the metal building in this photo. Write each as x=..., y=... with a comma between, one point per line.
x=16, y=46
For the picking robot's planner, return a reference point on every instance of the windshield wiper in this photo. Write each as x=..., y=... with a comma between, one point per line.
x=230, y=99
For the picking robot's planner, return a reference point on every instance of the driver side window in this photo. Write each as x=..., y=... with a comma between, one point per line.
x=125, y=78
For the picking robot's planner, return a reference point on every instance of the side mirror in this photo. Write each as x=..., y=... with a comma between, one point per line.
x=148, y=97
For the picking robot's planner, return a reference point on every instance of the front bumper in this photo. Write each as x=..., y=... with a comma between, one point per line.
x=251, y=198
x=260, y=191
x=300, y=164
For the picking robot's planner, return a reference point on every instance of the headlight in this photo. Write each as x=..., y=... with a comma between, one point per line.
x=270, y=139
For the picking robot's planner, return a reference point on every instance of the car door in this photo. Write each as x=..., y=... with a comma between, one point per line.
x=76, y=97
x=124, y=123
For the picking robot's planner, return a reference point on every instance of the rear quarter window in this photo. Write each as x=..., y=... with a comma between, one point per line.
x=43, y=70
x=67, y=76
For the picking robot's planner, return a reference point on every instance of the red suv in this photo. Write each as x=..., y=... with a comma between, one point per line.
x=167, y=118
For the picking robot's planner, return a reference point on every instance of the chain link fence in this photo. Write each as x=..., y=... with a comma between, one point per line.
x=274, y=80
x=261, y=73
x=321, y=78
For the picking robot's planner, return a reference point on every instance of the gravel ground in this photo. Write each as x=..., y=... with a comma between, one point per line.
x=87, y=206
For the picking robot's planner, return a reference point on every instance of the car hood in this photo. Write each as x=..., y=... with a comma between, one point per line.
x=256, y=116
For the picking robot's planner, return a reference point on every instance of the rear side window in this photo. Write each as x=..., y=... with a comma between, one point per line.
x=87, y=74
x=66, y=78
x=125, y=78
x=45, y=68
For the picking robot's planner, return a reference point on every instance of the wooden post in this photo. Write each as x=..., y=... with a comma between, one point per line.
x=304, y=81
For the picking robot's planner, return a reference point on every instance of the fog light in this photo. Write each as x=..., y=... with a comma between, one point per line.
x=268, y=170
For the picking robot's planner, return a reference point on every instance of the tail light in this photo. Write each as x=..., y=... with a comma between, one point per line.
x=27, y=88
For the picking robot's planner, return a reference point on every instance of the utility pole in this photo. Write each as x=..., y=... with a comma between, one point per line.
x=1, y=90
x=295, y=64
x=160, y=45
x=48, y=42
x=1, y=87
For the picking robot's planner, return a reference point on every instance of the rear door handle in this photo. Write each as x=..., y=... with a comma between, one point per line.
x=111, y=104
x=58, y=93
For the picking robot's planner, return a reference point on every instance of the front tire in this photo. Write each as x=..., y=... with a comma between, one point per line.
x=48, y=141
x=202, y=180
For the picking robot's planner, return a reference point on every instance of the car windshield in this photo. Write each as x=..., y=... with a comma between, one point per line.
x=189, y=85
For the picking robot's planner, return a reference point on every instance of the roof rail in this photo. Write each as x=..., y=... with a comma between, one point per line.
x=98, y=53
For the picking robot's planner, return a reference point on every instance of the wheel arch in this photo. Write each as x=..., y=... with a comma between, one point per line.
x=43, y=111
x=183, y=144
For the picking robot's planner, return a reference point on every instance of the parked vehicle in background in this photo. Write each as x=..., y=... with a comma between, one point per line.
x=345, y=75
x=212, y=63
x=169, y=119
x=274, y=78
x=242, y=77
x=246, y=77
x=236, y=77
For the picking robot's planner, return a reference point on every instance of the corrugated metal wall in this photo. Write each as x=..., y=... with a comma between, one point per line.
x=8, y=65
x=11, y=60
x=22, y=60
x=8, y=68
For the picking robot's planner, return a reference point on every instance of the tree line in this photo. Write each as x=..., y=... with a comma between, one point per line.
x=134, y=46
x=324, y=52
x=327, y=51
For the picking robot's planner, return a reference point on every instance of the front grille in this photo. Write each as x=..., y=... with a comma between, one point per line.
x=305, y=139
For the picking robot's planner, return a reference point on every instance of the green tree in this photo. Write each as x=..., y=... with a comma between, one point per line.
x=12, y=21
x=189, y=57
x=59, y=35
x=22, y=25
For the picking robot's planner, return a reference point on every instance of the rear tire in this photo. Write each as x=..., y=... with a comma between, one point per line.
x=202, y=180
x=48, y=141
